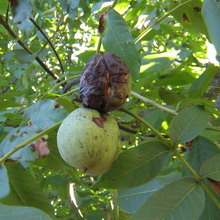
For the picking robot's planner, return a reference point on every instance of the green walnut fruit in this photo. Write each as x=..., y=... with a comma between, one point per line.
x=89, y=140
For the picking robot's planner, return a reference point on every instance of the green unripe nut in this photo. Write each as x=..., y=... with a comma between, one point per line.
x=89, y=140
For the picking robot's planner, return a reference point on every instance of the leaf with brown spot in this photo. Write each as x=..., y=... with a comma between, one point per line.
x=185, y=17
x=41, y=146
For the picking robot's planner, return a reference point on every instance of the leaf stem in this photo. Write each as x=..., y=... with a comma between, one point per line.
x=148, y=29
x=50, y=43
x=156, y=132
x=153, y=103
x=57, y=86
x=68, y=93
x=115, y=205
x=99, y=45
x=20, y=146
x=197, y=177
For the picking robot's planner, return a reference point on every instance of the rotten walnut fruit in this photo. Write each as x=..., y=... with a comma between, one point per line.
x=105, y=83
x=89, y=140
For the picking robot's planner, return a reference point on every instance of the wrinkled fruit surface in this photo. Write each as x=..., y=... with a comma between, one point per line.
x=105, y=83
x=89, y=140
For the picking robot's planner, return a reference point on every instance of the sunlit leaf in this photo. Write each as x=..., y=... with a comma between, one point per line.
x=211, y=14
x=202, y=83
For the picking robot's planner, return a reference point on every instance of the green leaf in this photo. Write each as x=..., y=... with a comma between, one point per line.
x=27, y=190
x=4, y=5
x=4, y=183
x=131, y=200
x=175, y=79
x=188, y=124
x=211, y=15
x=200, y=86
x=118, y=40
x=22, y=213
x=158, y=62
x=22, y=10
x=45, y=113
x=190, y=16
x=23, y=56
x=201, y=150
x=183, y=199
x=211, y=168
x=18, y=136
x=136, y=166
x=210, y=211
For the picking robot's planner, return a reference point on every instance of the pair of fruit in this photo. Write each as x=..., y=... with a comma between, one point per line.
x=89, y=138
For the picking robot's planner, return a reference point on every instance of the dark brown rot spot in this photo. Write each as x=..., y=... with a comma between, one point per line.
x=197, y=9
x=138, y=156
x=186, y=17
x=101, y=27
x=57, y=106
x=99, y=121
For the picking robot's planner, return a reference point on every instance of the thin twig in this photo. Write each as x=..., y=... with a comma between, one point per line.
x=153, y=103
x=22, y=44
x=148, y=29
x=50, y=43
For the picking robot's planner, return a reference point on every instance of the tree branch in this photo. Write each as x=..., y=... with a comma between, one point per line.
x=50, y=43
x=23, y=45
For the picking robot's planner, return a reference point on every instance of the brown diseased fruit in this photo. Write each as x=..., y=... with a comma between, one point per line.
x=105, y=83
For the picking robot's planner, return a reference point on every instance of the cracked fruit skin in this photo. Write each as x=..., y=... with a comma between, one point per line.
x=89, y=140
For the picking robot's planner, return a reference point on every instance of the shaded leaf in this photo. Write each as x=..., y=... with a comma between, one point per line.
x=21, y=10
x=131, y=200
x=211, y=15
x=18, y=136
x=200, y=86
x=136, y=166
x=21, y=213
x=183, y=199
x=45, y=113
x=211, y=168
x=188, y=124
x=23, y=56
x=201, y=150
x=211, y=211
x=118, y=40
x=4, y=183
x=26, y=188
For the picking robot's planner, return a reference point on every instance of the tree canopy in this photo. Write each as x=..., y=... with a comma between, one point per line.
x=169, y=163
